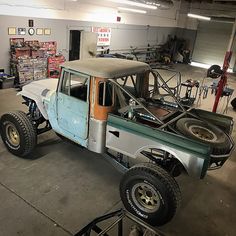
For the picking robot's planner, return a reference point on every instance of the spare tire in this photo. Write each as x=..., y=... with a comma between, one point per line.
x=205, y=133
x=214, y=72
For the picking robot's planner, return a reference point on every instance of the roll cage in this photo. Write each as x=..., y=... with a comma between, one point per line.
x=127, y=87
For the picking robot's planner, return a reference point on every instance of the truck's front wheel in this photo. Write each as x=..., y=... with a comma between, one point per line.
x=149, y=192
x=18, y=133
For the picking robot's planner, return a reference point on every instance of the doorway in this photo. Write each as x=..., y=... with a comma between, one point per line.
x=74, y=47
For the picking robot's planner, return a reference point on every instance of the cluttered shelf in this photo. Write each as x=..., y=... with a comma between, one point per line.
x=33, y=60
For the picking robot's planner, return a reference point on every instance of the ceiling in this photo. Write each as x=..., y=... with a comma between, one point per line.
x=218, y=8
x=166, y=4
x=116, y=3
x=228, y=2
x=70, y=4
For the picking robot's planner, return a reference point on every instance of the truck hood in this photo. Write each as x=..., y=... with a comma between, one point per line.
x=37, y=87
x=38, y=90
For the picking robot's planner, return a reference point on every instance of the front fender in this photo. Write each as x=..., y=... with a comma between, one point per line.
x=38, y=100
x=39, y=91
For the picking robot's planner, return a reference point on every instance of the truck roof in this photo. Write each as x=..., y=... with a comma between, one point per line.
x=107, y=67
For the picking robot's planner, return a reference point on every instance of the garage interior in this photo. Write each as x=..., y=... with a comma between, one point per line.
x=63, y=187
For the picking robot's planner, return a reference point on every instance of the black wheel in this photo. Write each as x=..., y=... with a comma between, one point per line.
x=205, y=133
x=18, y=133
x=233, y=103
x=150, y=192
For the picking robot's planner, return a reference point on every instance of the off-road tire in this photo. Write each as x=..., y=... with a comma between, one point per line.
x=26, y=132
x=221, y=143
x=233, y=103
x=161, y=183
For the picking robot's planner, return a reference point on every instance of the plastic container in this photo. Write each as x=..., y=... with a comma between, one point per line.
x=6, y=81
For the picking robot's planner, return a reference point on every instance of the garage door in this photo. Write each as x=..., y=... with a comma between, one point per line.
x=212, y=42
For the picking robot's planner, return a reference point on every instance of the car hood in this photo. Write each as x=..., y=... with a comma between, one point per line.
x=37, y=87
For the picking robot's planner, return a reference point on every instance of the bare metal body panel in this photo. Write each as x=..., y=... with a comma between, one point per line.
x=131, y=138
x=97, y=135
x=132, y=144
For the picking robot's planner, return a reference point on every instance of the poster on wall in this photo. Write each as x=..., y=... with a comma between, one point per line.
x=104, y=35
x=12, y=30
x=21, y=31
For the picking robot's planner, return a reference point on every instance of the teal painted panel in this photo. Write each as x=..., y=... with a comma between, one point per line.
x=166, y=138
x=73, y=115
x=51, y=107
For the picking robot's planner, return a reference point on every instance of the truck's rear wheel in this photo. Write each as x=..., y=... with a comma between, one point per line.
x=18, y=133
x=151, y=193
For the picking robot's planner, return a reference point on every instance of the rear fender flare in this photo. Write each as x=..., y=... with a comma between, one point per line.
x=176, y=154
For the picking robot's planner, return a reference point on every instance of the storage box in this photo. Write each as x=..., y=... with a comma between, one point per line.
x=6, y=81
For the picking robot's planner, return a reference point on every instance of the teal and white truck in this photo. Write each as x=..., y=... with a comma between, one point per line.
x=124, y=110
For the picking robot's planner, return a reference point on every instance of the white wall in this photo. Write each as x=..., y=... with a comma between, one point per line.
x=123, y=36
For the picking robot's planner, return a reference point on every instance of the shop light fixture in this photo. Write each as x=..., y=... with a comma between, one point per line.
x=136, y=4
x=132, y=10
x=206, y=66
x=153, y=3
x=199, y=17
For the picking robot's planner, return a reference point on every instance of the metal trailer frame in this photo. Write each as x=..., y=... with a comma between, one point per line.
x=119, y=216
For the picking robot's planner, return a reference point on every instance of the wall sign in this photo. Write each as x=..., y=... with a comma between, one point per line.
x=104, y=35
x=21, y=31
x=12, y=30
x=47, y=31
x=39, y=31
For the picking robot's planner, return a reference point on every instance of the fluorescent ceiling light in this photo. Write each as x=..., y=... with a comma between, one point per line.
x=132, y=10
x=206, y=66
x=199, y=17
x=201, y=65
x=136, y=4
x=153, y=3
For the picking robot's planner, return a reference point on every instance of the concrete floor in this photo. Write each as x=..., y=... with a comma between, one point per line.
x=64, y=186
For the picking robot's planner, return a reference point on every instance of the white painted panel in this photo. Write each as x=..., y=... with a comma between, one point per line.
x=123, y=36
x=88, y=44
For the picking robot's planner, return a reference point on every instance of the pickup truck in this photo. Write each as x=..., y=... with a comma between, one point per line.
x=127, y=111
